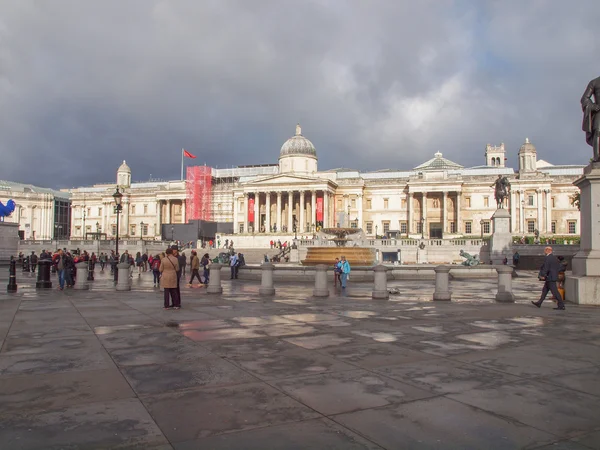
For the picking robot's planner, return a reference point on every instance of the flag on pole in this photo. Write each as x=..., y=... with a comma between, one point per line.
x=188, y=154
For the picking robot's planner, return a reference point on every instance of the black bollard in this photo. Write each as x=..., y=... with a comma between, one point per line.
x=43, y=279
x=90, y=270
x=12, y=276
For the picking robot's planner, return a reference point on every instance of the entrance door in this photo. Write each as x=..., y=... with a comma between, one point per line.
x=435, y=231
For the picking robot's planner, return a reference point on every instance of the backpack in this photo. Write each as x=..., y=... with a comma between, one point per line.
x=156, y=264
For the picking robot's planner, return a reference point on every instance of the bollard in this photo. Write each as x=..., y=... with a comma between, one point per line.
x=266, y=281
x=123, y=283
x=442, y=283
x=43, y=279
x=505, y=294
x=12, y=276
x=321, y=289
x=380, y=282
x=90, y=276
x=82, y=276
x=214, y=282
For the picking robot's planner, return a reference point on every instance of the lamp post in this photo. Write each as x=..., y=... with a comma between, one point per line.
x=97, y=231
x=172, y=232
x=118, y=208
x=481, y=222
x=376, y=231
x=142, y=231
x=422, y=227
x=348, y=216
x=83, y=215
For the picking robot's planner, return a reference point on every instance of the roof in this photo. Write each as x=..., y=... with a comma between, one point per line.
x=438, y=163
x=30, y=188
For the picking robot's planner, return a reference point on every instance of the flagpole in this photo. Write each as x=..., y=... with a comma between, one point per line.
x=182, y=164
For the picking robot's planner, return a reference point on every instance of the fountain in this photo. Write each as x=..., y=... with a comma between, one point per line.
x=343, y=239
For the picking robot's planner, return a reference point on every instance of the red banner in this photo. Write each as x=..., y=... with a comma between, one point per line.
x=320, y=209
x=250, y=210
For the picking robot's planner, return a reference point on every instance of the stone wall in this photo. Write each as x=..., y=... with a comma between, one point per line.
x=9, y=240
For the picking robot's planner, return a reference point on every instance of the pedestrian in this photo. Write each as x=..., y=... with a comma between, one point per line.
x=175, y=249
x=516, y=258
x=505, y=261
x=139, y=262
x=549, y=275
x=33, y=260
x=102, y=260
x=337, y=272
x=145, y=260
x=61, y=267
x=156, y=270
x=195, y=268
x=345, y=268
x=205, y=263
x=182, y=262
x=218, y=243
x=271, y=243
x=233, y=264
x=169, y=280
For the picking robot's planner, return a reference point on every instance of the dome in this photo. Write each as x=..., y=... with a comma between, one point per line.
x=124, y=168
x=298, y=145
x=527, y=147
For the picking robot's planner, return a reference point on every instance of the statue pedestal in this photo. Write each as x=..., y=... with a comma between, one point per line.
x=501, y=243
x=583, y=285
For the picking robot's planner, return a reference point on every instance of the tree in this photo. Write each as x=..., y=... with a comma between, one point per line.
x=575, y=200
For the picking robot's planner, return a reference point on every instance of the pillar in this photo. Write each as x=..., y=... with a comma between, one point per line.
x=246, y=223
x=278, y=211
x=458, y=207
x=522, y=212
x=505, y=294
x=183, y=212
x=267, y=212
x=326, y=214
x=442, y=283
x=266, y=281
x=380, y=290
x=257, y=212
x=548, y=211
x=313, y=209
x=321, y=289
x=409, y=213
x=444, y=215
x=290, y=221
x=513, y=212
x=540, y=211
x=214, y=281
x=168, y=215
x=359, y=205
x=157, y=230
x=124, y=222
x=424, y=215
x=236, y=208
x=302, y=221
x=81, y=282
x=123, y=278
x=43, y=278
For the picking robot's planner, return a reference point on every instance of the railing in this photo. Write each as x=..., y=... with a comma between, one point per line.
x=396, y=243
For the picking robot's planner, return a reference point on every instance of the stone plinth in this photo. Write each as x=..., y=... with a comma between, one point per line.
x=9, y=240
x=380, y=290
x=214, y=282
x=123, y=283
x=583, y=286
x=442, y=284
x=81, y=283
x=501, y=242
x=321, y=289
x=266, y=282
x=505, y=293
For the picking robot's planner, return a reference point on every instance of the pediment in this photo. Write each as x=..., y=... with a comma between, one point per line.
x=287, y=179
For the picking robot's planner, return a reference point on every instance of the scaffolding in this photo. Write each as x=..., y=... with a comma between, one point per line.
x=199, y=193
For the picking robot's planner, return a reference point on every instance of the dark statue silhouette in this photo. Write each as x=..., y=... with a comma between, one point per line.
x=591, y=116
x=501, y=190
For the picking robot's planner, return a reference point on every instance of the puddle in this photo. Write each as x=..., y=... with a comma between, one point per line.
x=229, y=333
x=491, y=339
x=203, y=324
x=264, y=320
x=114, y=329
x=287, y=330
x=310, y=317
x=434, y=330
x=379, y=336
x=357, y=314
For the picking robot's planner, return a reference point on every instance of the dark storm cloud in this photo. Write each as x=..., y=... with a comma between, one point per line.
x=84, y=85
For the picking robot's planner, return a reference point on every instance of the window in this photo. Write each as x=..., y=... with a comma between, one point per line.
x=369, y=226
x=132, y=209
x=486, y=201
x=241, y=224
x=145, y=229
x=419, y=227
x=553, y=226
x=467, y=202
x=403, y=228
x=241, y=209
x=554, y=202
x=145, y=209
x=100, y=212
x=354, y=224
x=468, y=228
x=386, y=203
x=353, y=203
x=531, y=226
x=572, y=226
x=369, y=204
x=132, y=227
x=452, y=227
x=386, y=226
x=486, y=226
x=530, y=200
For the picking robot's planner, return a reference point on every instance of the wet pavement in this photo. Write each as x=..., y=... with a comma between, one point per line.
x=105, y=369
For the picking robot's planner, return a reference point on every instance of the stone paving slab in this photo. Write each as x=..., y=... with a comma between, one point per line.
x=105, y=369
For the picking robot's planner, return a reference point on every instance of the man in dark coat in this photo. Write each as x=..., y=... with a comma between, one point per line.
x=549, y=274
x=591, y=116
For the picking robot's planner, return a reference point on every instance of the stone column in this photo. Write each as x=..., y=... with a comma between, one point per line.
x=409, y=213
x=123, y=280
x=548, y=211
x=359, y=205
x=380, y=290
x=505, y=293
x=444, y=215
x=183, y=211
x=321, y=289
x=236, y=208
x=124, y=222
x=302, y=221
x=266, y=282
x=214, y=281
x=82, y=276
x=279, y=211
x=442, y=283
x=540, y=213
x=458, y=206
x=168, y=215
x=313, y=209
x=290, y=221
x=268, y=212
x=513, y=212
x=158, y=228
x=257, y=212
x=246, y=223
x=326, y=209
x=424, y=215
x=522, y=212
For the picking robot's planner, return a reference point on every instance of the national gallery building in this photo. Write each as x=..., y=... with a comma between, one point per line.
x=437, y=199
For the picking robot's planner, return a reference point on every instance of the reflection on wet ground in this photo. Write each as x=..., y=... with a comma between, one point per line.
x=247, y=371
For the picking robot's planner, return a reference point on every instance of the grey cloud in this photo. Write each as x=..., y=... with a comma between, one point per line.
x=375, y=85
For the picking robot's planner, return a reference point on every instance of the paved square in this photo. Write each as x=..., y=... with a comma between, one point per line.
x=106, y=369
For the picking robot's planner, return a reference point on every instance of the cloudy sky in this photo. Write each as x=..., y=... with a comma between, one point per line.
x=375, y=84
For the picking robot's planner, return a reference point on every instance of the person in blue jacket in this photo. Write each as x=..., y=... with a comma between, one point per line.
x=345, y=266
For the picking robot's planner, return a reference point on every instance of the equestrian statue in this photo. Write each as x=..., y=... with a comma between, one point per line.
x=501, y=190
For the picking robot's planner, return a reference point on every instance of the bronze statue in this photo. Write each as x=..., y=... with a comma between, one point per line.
x=591, y=118
x=469, y=260
x=501, y=190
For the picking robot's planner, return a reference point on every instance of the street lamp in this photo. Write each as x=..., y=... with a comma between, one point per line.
x=97, y=231
x=481, y=222
x=172, y=231
x=422, y=227
x=83, y=215
x=376, y=231
x=118, y=208
x=348, y=216
x=142, y=231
